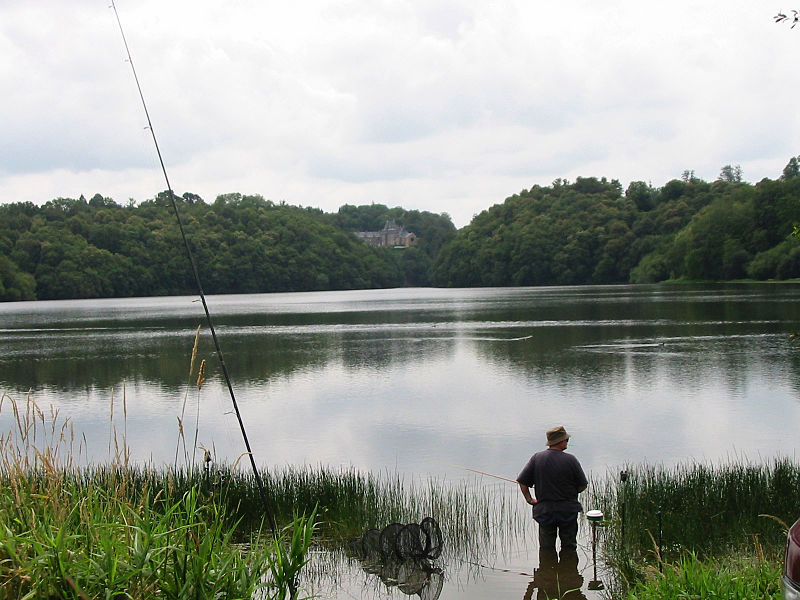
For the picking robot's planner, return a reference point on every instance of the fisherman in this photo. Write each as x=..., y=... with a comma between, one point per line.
x=557, y=478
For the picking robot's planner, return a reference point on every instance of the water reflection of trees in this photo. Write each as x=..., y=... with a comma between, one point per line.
x=578, y=337
x=687, y=355
x=104, y=360
x=68, y=360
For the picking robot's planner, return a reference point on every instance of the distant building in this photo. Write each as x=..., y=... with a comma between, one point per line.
x=392, y=235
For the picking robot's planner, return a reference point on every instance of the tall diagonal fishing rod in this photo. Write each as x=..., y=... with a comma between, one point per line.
x=199, y=284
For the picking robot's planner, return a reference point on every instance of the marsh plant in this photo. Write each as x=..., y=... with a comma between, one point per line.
x=350, y=502
x=740, y=578
x=681, y=522
x=135, y=531
x=117, y=531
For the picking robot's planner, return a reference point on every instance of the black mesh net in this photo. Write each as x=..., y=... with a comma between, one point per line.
x=410, y=578
x=410, y=542
x=400, y=555
x=371, y=542
x=388, y=538
x=413, y=540
x=433, y=589
x=433, y=537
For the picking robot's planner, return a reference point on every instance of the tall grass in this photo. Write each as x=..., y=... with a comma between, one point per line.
x=351, y=502
x=694, y=516
x=703, y=508
x=693, y=578
x=130, y=530
x=116, y=531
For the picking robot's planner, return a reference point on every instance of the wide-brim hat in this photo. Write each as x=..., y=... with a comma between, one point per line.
x=556, y=435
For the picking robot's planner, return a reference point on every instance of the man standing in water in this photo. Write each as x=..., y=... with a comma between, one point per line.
x=557, y=479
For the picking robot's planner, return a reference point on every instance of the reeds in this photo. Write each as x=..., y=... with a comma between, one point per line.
x=119, y=531
x=702, y=508
x=690, y=516
x=135, y=531
x=349, y=502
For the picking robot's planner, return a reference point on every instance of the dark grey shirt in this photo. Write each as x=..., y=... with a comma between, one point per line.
x=556, y=478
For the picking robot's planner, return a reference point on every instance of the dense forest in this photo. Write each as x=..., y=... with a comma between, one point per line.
x=590, y=231
x=586, y=231
x=74, y=248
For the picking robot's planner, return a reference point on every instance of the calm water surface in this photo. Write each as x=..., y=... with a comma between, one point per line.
x=426, y=381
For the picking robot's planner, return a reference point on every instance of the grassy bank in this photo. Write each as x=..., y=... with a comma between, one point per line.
x=116, y=531
x=62, y=540
x=698, y=527
x=732, y=578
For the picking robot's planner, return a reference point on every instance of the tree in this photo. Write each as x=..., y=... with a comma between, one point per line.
x=731, y=174
x=14, y=284
x=792, y=168
x=642, y=195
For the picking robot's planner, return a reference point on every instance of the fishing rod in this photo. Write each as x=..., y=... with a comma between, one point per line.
x=199, y=284
x=487, y=474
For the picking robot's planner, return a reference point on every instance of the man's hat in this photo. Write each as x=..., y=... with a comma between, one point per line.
x=556, y=435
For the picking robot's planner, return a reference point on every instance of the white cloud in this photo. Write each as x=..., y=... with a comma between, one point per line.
x=442, y=106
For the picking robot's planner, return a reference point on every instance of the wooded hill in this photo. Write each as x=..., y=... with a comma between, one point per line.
x=590, y=231
x=242, y=244
x=586, y=231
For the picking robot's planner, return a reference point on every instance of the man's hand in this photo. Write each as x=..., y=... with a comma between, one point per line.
x=526, y=492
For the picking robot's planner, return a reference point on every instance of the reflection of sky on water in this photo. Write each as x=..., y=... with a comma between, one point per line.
x=447, y=378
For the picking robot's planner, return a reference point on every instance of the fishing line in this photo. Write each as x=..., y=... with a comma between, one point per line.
x=196, y=274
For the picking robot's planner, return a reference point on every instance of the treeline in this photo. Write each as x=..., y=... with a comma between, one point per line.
x=74, y=248
x=590, y=231
x=586, y=231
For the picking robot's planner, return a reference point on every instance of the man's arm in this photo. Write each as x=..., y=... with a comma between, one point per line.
x=526, y=491
x=580, y=476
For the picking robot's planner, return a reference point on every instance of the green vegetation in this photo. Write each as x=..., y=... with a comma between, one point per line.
x=80, y=543
x=698, y=529
x=108, y=532
x=590, y=231
x=587, y=231
x=133, y=531
x=736, y=579
x=243, y=244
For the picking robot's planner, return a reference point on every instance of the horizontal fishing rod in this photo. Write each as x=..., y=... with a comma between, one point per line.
x=487, y=474
x=199, y=284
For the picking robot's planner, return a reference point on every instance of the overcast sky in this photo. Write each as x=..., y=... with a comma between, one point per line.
x=438, y=105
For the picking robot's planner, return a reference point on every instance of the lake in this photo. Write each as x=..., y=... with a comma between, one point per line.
x=425, y=382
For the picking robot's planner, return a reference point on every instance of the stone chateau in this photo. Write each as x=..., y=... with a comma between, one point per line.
x=392, y=235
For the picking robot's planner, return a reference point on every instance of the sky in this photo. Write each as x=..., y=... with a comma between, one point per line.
x=436, y=105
